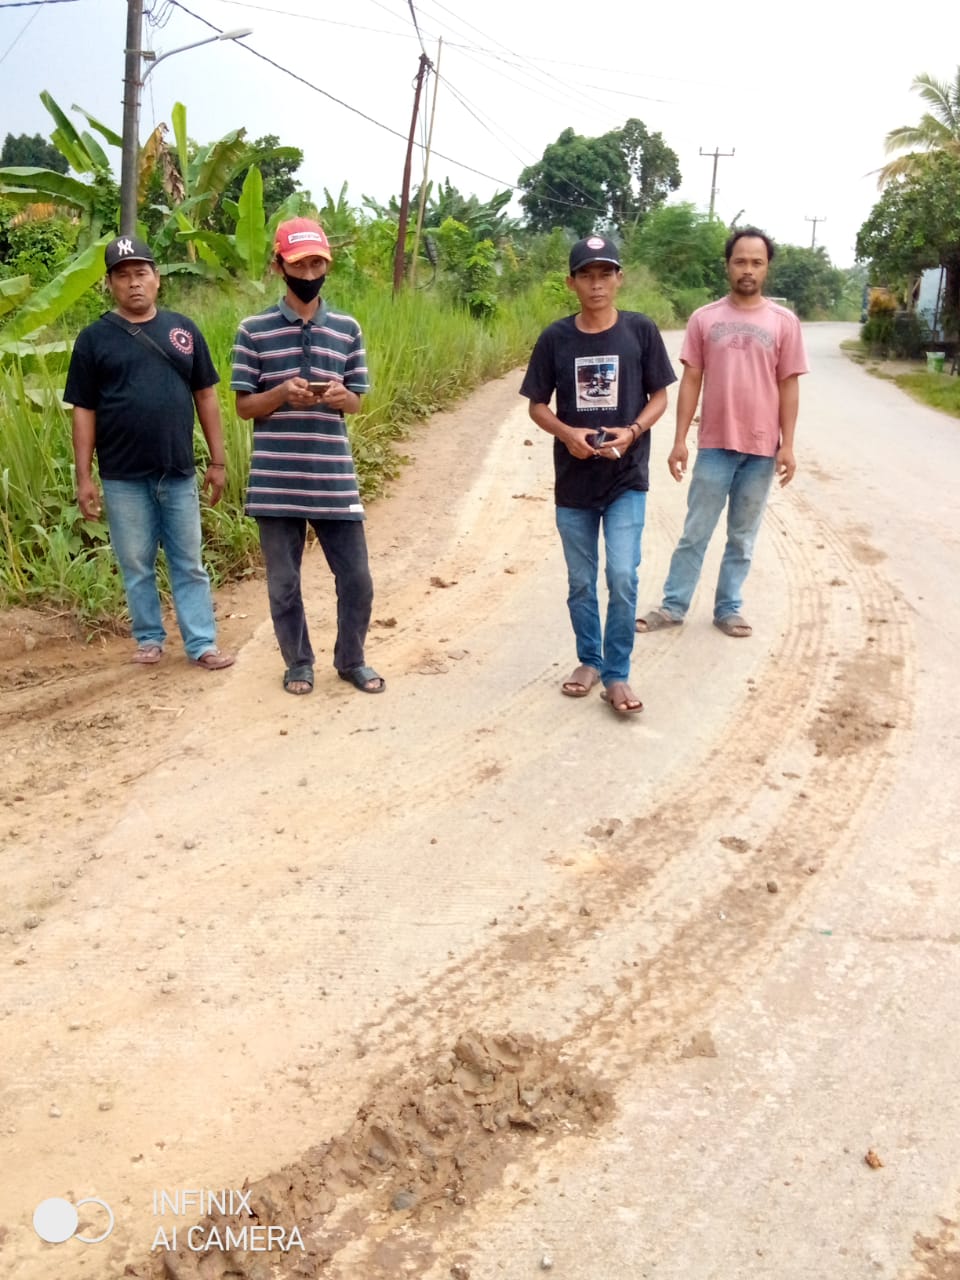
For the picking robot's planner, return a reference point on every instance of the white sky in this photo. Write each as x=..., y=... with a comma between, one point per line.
x=804, y=93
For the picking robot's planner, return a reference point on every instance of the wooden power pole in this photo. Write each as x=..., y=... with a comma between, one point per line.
x=813, y=238
x=716, y=153
x=398, y=259
x=422, y=202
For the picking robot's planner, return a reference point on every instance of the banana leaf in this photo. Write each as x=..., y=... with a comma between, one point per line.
x=50, y=302
x=250, y=241
x=66, y=139
x=13, y=291
x=104, y=130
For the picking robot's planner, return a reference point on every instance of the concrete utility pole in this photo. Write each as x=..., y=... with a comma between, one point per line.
x=132, y=86
x=398, y=257
x=716, y=153
x=130, y=152
x=813, y=238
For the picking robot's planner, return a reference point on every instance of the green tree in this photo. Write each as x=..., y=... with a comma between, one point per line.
x=654, y=171
x=683, y=248
x=33, y=152
x=807, y=278
x=938, y=129
x=611, y=181
x=915, y=225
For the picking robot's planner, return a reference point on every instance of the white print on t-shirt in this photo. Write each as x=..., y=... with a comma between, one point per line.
x=597, y=381
x=741, y=334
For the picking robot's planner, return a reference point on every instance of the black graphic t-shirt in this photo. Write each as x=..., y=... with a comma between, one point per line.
x=600, y=380
x=144, y=405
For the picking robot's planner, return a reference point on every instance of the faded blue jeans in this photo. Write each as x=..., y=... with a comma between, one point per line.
x=606, y=648
x=144, y=515
x=720, y=477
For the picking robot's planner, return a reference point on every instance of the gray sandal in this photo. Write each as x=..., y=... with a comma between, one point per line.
x=657, y=620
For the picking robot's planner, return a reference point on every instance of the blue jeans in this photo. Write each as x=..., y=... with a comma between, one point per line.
x=607, y=649
x=719, y=475
x=145, y=515
x=344, y=544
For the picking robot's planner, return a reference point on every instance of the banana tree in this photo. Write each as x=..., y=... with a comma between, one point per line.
x=248, y=249
x=204, y=173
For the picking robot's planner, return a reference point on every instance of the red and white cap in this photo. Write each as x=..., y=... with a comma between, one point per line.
x=301, y=238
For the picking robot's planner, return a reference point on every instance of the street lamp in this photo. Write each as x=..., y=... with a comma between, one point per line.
x=133, y=83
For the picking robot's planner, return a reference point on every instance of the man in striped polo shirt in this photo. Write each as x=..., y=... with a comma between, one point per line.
x=297, y=369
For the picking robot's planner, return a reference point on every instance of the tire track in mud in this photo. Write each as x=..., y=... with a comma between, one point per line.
x=663, y=913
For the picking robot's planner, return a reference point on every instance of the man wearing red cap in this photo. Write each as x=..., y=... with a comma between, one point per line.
x=297, y=369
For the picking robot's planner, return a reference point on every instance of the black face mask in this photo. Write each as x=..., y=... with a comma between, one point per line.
x=305, y=290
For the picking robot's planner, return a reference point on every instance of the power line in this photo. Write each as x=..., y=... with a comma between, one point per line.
x=23, y=29
x=500, y=182
x=31, y=4
x=413, y=15
x=339, y=101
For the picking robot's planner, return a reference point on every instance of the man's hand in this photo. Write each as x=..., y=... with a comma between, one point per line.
x=88, y=499
x=213, y=484
x=677, y=462
x=786, y=465
x=620, y=440
x=297, y=393
x=575, y=439
x=336, y=396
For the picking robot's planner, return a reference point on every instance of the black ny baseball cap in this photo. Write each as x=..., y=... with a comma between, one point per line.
x=593, y=249
x=127, y=249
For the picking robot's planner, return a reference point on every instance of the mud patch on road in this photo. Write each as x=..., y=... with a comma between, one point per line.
x=862, y=711
x=428, y=1142
x=939, y=1255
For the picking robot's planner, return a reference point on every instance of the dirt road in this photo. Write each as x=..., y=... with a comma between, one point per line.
x=475, y=976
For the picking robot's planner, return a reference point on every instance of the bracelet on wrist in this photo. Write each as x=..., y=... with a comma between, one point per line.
x=217, y=464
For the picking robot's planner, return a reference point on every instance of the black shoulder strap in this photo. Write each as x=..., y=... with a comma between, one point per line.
x=137, y=331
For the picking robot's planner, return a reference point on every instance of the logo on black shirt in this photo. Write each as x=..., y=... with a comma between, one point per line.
x=182, y=339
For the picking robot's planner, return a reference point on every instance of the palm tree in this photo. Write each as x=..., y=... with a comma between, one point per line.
x=937, y=130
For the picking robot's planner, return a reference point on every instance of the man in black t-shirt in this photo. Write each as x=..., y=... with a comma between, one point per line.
x=609, y=371
x=135, y=377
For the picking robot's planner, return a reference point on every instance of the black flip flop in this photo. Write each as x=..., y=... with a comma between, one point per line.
x=359, y=677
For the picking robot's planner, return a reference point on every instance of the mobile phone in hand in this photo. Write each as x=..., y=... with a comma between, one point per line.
x=319, y=388
x=599, y=439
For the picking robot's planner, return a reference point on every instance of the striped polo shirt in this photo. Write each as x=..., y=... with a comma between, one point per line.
x=301, y=464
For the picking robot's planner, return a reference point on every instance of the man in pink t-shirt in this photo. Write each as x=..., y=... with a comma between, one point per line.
x=747, y=353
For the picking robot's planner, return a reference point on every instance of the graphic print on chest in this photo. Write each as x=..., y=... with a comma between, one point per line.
x=182, y=339
x=741, y=334
x=598, y=382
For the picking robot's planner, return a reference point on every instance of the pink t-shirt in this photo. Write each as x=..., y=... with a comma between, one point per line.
x=745, y=353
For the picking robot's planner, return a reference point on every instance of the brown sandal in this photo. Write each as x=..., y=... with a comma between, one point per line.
x=147, y=655
x=621, y=698
x=214, y=660
x=581, y=681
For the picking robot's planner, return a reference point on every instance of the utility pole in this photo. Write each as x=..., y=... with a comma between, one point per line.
x=398, y=259
x=422, y=204
x=813, y=238
x=134, y=55
x=130, y=152
x=716, y=153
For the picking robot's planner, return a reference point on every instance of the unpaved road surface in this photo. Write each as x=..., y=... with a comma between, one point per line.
x=473, y=979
